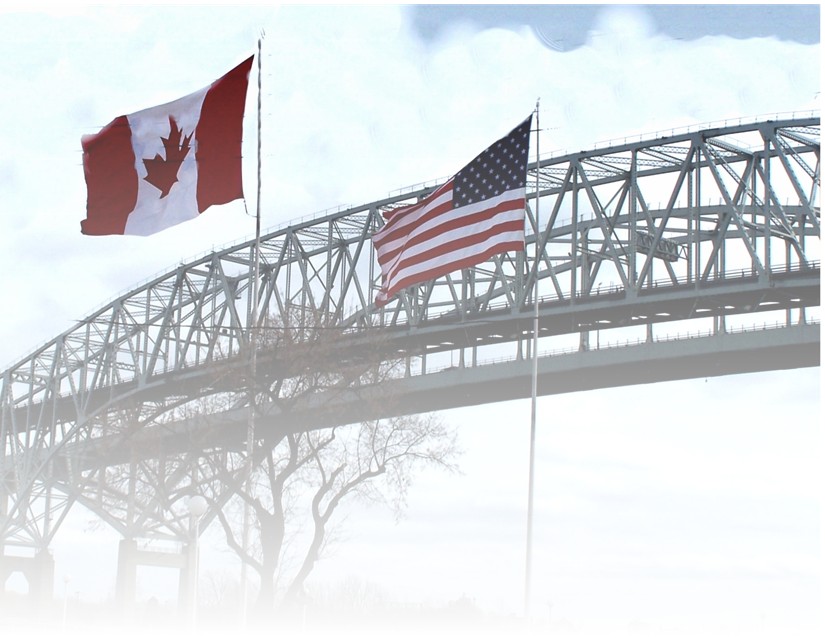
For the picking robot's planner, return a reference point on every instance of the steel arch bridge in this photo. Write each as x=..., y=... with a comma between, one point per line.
x=706, y=232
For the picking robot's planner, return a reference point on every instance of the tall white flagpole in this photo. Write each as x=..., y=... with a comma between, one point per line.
x=529, y=557
x=253, y=344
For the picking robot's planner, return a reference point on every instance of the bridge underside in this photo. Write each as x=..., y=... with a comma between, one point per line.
x=461, y=386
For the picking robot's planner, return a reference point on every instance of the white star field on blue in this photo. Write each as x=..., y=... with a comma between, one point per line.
x=500, y=168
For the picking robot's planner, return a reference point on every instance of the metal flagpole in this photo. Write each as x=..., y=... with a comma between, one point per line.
x=253, y=364
x=529, y=558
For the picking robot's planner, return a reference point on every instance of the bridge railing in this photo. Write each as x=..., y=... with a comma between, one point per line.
x=629, y=343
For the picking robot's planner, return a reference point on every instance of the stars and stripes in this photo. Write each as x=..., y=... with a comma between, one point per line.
x=476, y=214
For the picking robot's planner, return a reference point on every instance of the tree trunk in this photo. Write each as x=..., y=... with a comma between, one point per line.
x=272, y=540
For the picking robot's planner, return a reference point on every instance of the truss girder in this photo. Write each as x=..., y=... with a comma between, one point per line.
x=735, y=203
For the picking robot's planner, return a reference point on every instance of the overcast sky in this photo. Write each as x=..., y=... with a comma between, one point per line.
x=700, y=514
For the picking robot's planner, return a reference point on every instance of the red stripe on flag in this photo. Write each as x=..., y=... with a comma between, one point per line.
x=405, y=221
x=450, y=222
x=446, y=268
x=408, y=210
x=219, y=135
x=403, y=236
x=111, y=179
x=447, y=247
x=452, y=255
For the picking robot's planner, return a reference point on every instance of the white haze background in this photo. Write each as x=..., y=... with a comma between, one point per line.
x=689, y=506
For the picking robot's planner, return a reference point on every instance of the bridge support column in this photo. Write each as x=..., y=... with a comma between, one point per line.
x=187, y=582
x=130, y=558
x=43, y=572
x=38, y=570
x=126, y=585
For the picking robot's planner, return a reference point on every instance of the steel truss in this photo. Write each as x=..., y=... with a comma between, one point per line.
x=117, y=412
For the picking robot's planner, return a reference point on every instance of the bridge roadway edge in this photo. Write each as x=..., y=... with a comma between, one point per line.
x=721, y=354
x=645, y=363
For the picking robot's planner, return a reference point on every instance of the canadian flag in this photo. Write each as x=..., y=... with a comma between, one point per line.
x=167, y=164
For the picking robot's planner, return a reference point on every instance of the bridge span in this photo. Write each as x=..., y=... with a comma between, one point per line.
x=721, y=275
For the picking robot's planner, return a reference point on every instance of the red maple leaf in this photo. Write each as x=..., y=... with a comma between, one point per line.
x=162, y=173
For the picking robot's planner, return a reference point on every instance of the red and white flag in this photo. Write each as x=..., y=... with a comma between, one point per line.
x=476, y=214
x=167, y=164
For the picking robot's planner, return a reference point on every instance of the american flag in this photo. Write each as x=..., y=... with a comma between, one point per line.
x=476, y=214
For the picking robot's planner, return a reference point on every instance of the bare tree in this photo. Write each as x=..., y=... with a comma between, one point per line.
x=390, y=450
x=302, y=477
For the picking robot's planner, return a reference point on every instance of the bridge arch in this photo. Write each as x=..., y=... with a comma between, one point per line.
x=699, y=232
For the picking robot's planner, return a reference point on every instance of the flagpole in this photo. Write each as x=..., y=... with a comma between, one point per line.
x=253, y=344
x=529, y=557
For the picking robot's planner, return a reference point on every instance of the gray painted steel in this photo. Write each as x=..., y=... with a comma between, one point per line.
x=703, y=231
